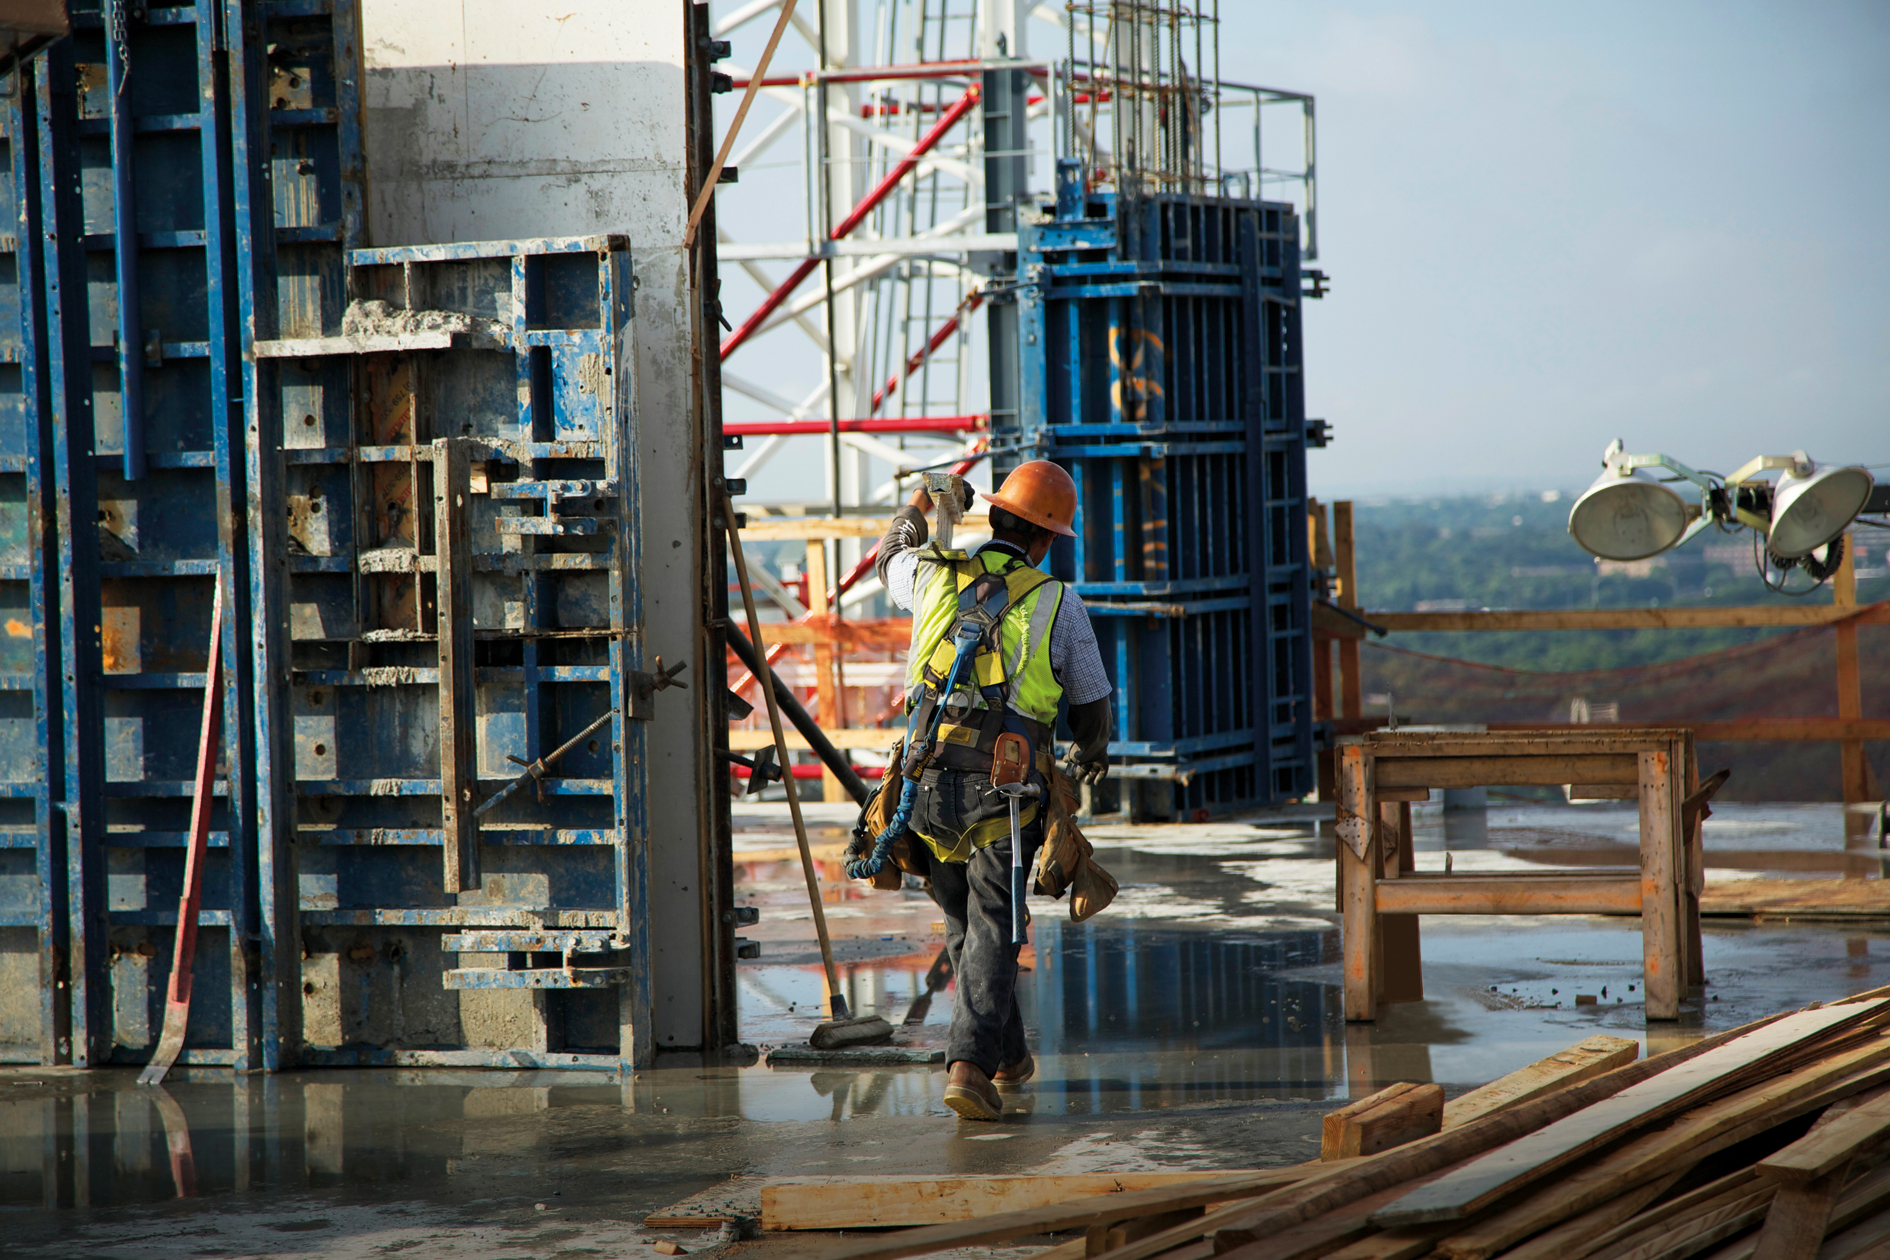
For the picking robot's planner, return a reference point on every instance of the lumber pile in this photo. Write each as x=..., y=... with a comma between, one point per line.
x=1767, y=1142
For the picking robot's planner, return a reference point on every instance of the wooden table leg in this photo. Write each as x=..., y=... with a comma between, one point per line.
x=1358, y=872
x=1400, y=962
x=1664, y=970
x=1693, y=873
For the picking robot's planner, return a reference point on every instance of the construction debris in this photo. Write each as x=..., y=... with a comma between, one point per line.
x=1765, y=1141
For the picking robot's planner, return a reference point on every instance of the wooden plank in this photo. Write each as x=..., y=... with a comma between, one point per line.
x=1833, y=1143
x=1403, y=794
x=1245, y=1223
x=452, y=532
x=1542, y=1151
x=1358, y=865
x=1580, y=1235
x=869, y=738
x=799, y=1203
x=1799, y=1215
x=1511, y=769
x=1345, y=562
x=1696, y=1231
x=1516, y=738
x=1505, y=894
x=1391, y=1117
x=827, y=528
x=1332, y=1128
x=1603, y=792
x=1077, y=1214
x=1867, y=1196
x=1629, y=618
x=1665, y=1154
x=1581, y=1061
x=1836, y=899
x=1663, y=962
x=826, y=689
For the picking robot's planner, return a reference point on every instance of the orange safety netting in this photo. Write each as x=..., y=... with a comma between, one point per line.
x=1786, y=675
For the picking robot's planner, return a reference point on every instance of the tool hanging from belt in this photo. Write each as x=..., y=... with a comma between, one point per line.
x=981, y=608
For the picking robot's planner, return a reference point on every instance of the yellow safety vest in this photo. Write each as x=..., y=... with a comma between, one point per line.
x=1022, y=659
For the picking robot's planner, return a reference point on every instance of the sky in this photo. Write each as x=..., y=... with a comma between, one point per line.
x=1549, y=225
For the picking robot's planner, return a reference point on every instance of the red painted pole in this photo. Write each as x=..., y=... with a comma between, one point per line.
x=916, y=424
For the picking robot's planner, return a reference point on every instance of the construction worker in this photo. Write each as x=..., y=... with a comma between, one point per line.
x=1048, y=655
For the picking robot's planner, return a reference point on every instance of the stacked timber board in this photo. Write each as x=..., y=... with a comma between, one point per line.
x=1764, y=1142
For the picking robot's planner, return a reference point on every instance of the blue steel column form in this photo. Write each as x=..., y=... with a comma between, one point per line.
x=125, y=225
x=1185, y=436
x=294, y=192
x=69, y=382
x=49, y=1042
x=145, y=531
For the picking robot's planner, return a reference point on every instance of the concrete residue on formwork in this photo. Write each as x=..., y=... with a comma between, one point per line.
x=393, y=675
x=374, y=319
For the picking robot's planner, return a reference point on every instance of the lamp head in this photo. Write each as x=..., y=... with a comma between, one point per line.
x=1626, y=515
x=1812, y=505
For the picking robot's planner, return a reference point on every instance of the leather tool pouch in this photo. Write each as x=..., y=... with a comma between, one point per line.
x=1066, y=862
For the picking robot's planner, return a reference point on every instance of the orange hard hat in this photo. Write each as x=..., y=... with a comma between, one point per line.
x=1041, y=493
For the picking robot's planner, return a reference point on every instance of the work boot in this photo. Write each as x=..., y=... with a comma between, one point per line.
x=971, y=1093
x=1012, y=1076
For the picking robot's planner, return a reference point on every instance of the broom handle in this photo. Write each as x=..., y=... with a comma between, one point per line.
x=836, y=1002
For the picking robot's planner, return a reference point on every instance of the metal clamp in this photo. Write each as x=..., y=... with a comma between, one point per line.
x=645, y=684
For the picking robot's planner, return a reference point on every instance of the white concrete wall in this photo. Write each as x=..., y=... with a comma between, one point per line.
x=498, y=119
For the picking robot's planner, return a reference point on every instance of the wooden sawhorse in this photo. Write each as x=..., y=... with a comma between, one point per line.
x=1381, y=895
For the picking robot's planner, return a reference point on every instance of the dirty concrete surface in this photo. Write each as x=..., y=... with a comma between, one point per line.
x=1196, y=1024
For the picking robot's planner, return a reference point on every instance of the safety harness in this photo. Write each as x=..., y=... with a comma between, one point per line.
x=969, y=652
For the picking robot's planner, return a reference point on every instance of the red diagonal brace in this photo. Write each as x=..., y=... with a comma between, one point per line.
x=905, y=167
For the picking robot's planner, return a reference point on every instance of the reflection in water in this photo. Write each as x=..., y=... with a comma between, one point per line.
x=1170, y=994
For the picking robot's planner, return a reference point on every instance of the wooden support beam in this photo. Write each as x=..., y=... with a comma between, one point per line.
x=827, y=690
x=1358, y=862
x=1584, y=1059
x=1662, y=951
x=827, y=528
x=1391, y=1117
x=1632, y=618
x=1520, y=893
x=452, y=534
x=1345, y=560
x=1546, y=770
x=1854, y=769
x=1400, y=942
x=869, y=739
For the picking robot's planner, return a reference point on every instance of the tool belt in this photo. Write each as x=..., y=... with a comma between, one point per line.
x=1066, y=861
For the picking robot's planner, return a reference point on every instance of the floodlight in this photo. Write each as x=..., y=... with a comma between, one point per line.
x=1811, y=506
x=1625, y=515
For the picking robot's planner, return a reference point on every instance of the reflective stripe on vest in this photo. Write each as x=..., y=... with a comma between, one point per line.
x=1023, y=656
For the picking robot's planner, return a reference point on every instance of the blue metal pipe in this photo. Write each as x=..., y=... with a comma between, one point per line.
x=125, y=228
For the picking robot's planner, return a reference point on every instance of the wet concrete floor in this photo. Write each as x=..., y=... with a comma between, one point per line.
x=1196, y=1024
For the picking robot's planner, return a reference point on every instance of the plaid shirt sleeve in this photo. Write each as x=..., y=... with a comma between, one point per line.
x=1074, y=657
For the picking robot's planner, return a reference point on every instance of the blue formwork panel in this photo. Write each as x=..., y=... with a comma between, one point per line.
x=1159, y=361
x=143, y=379
x=445, y=488
x=33, y=1025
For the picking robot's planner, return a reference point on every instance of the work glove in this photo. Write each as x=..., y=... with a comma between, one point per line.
x=1089, y=772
